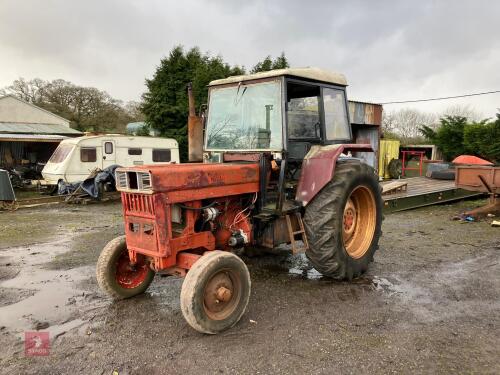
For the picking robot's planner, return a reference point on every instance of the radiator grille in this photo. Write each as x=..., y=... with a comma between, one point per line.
x=144, y=181
x=135, y=181
x=138, y=203
x=121, y=180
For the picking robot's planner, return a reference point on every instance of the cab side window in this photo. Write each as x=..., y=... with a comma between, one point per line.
x=88, y=154
x=303, y=111
x=336, y=122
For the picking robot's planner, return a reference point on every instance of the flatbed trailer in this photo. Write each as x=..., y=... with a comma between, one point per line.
x=423, y=191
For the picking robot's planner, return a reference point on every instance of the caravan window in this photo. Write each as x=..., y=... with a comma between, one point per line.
x=135, y=151
x=108, y=147
x=60, y=153
x=88, y=154
x=161, y=155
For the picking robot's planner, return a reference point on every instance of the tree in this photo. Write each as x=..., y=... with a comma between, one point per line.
x=87, y=108
x=133, y=110
x=456, y=136
x=263, y=66
x=165, y=103
x=466, y=111
x=405, y=124
x=281, y=62
x=267, y=64
x=32, y=91
x=449, y=137
x=483, y=139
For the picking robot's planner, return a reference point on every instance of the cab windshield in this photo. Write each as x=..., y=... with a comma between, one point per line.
x=61, y=152
x=245, y=117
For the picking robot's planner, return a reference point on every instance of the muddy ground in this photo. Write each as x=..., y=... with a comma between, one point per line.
x=429, y=304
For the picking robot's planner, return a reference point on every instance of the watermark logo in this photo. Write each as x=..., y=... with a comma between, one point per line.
x=36, y=343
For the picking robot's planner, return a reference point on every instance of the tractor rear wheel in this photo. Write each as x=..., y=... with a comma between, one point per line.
x=343, y=222
x=215, y=292
x=117, y=276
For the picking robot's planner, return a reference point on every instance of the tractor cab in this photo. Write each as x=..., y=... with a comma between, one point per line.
x=285, y=110
x=276, y=118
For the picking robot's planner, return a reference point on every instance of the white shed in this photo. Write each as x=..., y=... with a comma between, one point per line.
x=29, y=134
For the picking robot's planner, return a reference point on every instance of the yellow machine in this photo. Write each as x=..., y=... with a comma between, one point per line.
x=389, y=150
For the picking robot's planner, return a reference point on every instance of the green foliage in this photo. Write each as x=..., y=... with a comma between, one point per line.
x=449, y=137
x=165, y=104
x=483, y=139
x=457, y=137
x=267, y=64
x=428, y=132
x=387, y=134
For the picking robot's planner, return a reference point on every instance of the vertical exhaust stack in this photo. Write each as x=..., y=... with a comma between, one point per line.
x=195, y=130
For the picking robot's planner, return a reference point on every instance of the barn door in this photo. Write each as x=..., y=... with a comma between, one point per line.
x=108, y=153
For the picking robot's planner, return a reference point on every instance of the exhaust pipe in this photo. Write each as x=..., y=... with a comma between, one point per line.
x=195, y=130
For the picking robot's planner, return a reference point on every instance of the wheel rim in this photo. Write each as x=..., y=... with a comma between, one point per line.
x=130, y=276
x=359, y=220
x=222, y=294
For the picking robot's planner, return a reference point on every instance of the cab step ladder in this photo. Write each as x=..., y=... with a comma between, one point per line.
x=292, y=232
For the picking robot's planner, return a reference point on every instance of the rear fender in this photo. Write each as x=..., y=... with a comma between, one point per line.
x=318, y=168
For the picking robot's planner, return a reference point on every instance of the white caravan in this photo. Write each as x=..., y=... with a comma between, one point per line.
x=75, y=158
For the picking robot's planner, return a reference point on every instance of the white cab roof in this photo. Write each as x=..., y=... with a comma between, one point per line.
x=314, y=74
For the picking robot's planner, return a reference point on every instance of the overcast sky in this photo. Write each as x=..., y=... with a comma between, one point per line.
x=389, y=50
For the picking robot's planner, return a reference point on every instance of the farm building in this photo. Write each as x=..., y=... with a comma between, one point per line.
x=366, y=122
x=29, y=134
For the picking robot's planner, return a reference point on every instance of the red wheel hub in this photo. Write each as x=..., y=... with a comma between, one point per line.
x=349, y=219
x=129, y=275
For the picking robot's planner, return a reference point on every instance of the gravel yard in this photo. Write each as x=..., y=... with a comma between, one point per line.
x=429, y=304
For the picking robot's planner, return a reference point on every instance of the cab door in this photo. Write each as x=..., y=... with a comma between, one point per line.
x=108, y=153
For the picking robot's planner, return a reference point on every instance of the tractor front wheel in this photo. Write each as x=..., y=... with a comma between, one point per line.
x=343, y=222
x=117, y=276
x=215, y=292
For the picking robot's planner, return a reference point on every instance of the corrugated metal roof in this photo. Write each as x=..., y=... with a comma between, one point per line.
x=315, y=74
x=31, y=137
x=35, y=106
x=27, y=128
x=365, y=113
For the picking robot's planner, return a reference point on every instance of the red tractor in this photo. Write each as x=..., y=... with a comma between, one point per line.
x=274, y=166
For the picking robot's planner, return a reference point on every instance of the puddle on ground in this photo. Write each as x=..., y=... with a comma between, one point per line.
x=282, y=261
x=401, y=288
x=37, y=298
x=298, y=266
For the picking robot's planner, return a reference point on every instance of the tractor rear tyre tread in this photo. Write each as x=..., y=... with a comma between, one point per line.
x=323, y=222
x=193, y=291
x=106, y=271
